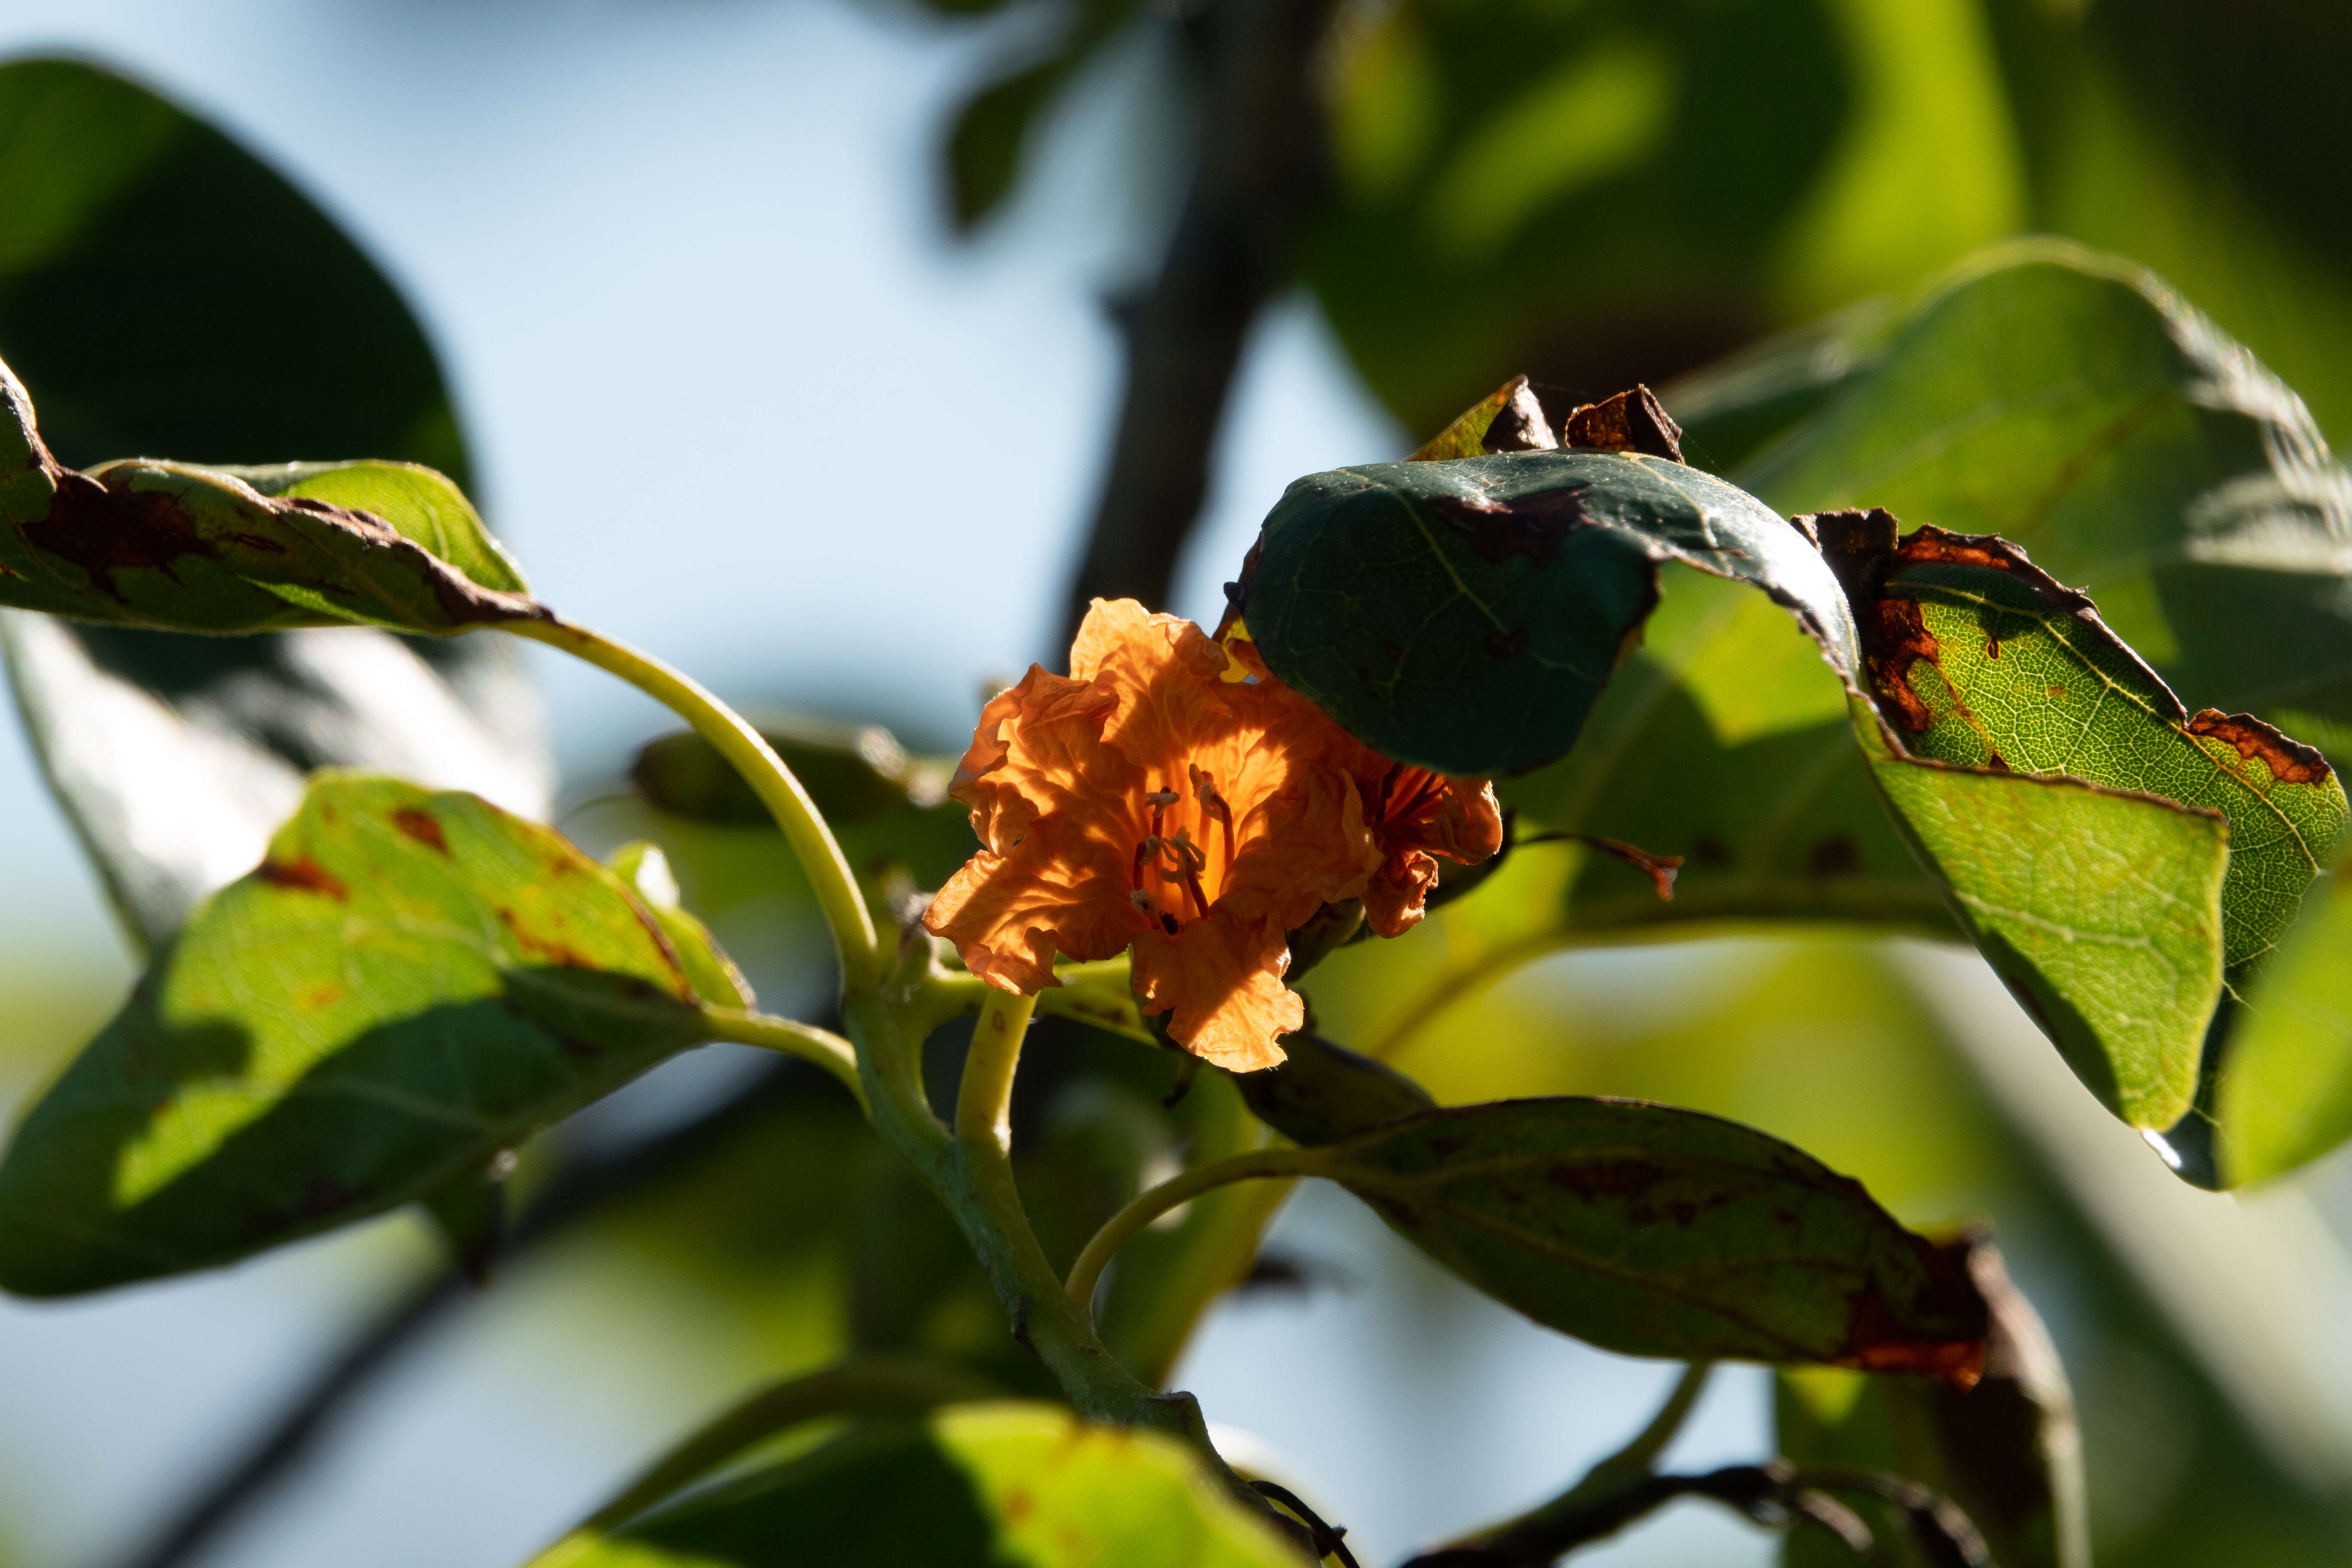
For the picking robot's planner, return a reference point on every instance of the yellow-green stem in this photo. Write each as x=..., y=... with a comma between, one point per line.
x=1257, y=1164
x=805, y=827
x=984, y=1099
x=807, y=1041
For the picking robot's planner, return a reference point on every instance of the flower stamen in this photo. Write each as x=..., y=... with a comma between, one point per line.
x=1213, y=806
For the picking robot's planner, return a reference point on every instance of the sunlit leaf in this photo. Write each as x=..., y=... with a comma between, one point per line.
x=407, y=985
x=2007, y=1450
x=2075, y=405
x=644, y=870
x=143, y=543
x=1980, y=659
x=1653, y=1231
x=1511, y=418
x=1465, y=615
x=977, y=1486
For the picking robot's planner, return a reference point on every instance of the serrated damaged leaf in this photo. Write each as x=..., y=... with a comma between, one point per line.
x=1981, y=661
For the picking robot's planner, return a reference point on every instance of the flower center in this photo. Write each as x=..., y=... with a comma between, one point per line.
x=1188, y=876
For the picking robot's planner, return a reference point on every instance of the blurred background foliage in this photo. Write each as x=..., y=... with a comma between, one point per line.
x=1596, y=193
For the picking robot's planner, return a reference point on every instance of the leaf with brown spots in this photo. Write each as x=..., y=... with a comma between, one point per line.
x=143, y=543
x=1981, y=661
x=1652, y=1231
x=409, y=985
x=2007, y=1451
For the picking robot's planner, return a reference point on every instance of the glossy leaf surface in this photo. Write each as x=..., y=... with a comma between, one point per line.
x=980, y=1486
x=409, y=983
x=2007, y=1451
x=1652, y=1231
x=1465, y=615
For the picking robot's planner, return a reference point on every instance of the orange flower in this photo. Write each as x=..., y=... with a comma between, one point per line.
x=1148, y=800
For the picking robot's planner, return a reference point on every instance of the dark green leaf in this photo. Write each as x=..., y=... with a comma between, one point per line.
x=1653, y=1231
x=1465, y=615
x=855, y=773
x=985, y=140
x=972, y=1487
x=167, y=291
x=258, y=330
x=1321, y=1092
x=409, y=983
x=2007, y=1451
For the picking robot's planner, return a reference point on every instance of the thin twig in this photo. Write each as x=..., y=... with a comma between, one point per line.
x=287, y=1442
x=1776, y=1494
x=1263, y=170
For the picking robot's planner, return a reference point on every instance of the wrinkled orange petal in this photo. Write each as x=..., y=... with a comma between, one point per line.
x=1167, y=672
x=1220, y=980
x=1416, y=815
x=1034, y=746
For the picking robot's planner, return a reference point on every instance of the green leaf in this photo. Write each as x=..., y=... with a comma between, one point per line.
x=855, y=773
x=1511, y=418
x=143, y=543
x=1322, y=1092
x=2007, y=1451
x=1465, y=615
x=2101, y=911
x=259, y=330
x=977, y=1486
x=644, y=870
x=409, y=985
x=1982, y=660
x=1652, y=1231
x=2075, y=405
x=989, y=133
x=2286, y=1094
